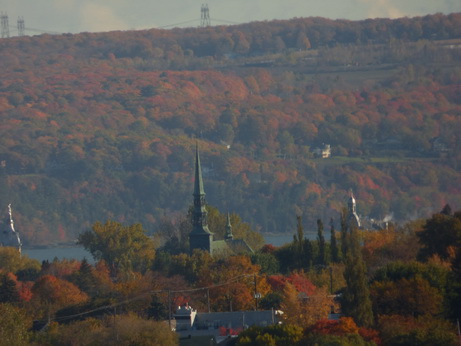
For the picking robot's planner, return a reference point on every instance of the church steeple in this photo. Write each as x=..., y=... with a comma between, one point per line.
x=198, y=186
x=353, y=218
x=9, y=236
x=228, y=235
x=200, y=237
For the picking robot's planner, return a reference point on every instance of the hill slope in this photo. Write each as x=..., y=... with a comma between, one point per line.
x=103, y=126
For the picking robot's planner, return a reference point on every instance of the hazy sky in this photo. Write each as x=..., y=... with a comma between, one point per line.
x=73, y=16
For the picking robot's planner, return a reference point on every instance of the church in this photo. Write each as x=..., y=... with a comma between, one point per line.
x=201, y=237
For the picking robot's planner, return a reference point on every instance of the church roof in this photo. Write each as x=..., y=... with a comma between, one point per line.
x=231, y=246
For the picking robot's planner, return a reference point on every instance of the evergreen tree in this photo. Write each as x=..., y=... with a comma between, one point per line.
x=157, y=310
x=322, y=255
x=298, y=248
x=446, y=210
x=343, y=233
x=355, y=301
x=85, y=278
x=334, y=244
x=308, y=254
x=8, y=290
x=4, y=190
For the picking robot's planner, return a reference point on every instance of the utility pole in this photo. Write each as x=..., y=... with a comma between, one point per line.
x=21, y=26
x=257, y=295
x=205, y=16
x=169, y=309
x=5, y=28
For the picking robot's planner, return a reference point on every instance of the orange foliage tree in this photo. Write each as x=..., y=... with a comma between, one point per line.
x=234, y=288
x=302, y=310
x=52, y=294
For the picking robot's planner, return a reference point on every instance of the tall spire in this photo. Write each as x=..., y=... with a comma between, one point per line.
x=353, y=218
x=228, y=235
x=199, y=214
x=9, y=236
x=198, y=187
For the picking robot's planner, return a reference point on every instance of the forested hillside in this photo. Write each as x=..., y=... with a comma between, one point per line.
x=103, y=126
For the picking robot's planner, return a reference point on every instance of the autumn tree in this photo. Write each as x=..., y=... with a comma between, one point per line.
x=410, y=289
x=422, y=330
x=128, y=329
x=235, y=287
x=343, y=331
x=52, y=294
x=124, y=248
x=304, y=310
x=404, y=297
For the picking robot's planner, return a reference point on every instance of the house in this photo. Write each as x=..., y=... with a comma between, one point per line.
x=324, y=151
x=201, y=237
x=220, y=325
x=439, y=147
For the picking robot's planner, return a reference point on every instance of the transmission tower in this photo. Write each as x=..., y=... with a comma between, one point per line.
x=205, y=16
x=5, y=28
x=21, y=26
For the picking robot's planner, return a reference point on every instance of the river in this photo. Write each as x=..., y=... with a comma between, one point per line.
x=79, y=253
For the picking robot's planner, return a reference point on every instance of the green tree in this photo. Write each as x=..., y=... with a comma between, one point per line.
x=12, y=261
x=343, y=233
x=322, y=254
x=334, y=244
x=302, y=252
x=272, y=300
x=8, y=290
x=440, y=235
x=277, y=334
x=454, y=287
x=124, y=248
x=14, y=326
x=241, y=230
x=112, y=330
x=355, y=301
x=157, y=309
x=267, y=261
x=87, y=279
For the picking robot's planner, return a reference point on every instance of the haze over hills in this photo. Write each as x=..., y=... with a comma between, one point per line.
x=103, y=126
x=74, y=16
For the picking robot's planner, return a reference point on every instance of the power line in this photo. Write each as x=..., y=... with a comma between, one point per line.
x=43, y=31
x=170, y=25
x=142, y=295
x=224, y=21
